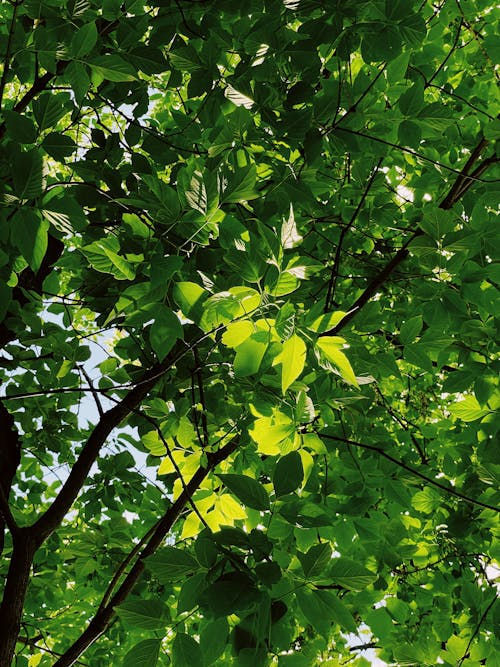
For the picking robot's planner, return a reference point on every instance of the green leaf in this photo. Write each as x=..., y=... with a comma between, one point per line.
x=327, y=322
x=316, y=560
x=27, y=174
x=412, y=100
x=410, y=329
x=165, y=330
x=145, y=614
x=350, y=574
x=143, y=654
x=336, y=610
x=189, y=296
x=292, y=359
x=213, y=640
x=84, y=40
x=59, y=146
x=112, y=67
x=103, y=256
x=468, y=410
x=171, y=564
x=5, y=299
x=190, y=592
x=49, y=109
x=331, y=348
x=241, y=186
x=29, y=233
x=19, y=127
x=250, y=353
x=186, y=652
x=288, y=474
x=409, y=134
x=290, y=237
x=427, y=500
x=248, y=490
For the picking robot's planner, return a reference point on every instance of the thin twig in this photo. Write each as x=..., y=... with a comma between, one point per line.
x=477, y=628
x=412, y=471
x=452, y=49
x=95, y=394
x=336, y=262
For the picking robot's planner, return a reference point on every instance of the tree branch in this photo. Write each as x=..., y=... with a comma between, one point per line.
x=412, y=471
x=455, y=192
x=101, y=620
x=10, y=456
x=336, y=262
x=52, y=518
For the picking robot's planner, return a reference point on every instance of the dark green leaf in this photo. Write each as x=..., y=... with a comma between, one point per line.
x=288, y=474
x=186, y=652
x=27, y=173
x=145, y=614
x=165, y=330
x=248, y=490
x=171, y=564
x=143, y=654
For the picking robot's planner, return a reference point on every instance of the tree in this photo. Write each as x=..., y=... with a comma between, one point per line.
x=250, y=368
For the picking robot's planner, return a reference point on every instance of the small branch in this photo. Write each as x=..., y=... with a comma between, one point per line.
x=447, y=203
x=412, y=471
x=410, y=151
x=95, y=394
x=448, y=56
x=336, y=262
x=124, y=565
x=364, y=647
x=424, y=459
x=476, y=630
x=201, y=390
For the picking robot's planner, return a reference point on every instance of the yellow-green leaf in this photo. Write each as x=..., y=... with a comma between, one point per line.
x=292, y=359
x=330, y=347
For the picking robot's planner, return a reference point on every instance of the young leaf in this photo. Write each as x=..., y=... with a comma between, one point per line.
x=250, y=353
x=290, y=237
x=468, y=410
x=292, y=359
x=326, y=322
x=248, y=490
x=332, y=351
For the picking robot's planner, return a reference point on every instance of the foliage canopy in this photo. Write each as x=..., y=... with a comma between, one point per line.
x=253, y=246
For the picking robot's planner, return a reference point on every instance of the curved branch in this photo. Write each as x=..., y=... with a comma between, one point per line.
x=412, y=471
